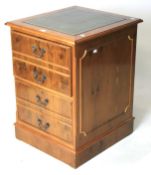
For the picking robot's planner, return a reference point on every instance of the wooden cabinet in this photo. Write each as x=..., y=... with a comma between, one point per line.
x=74, y=81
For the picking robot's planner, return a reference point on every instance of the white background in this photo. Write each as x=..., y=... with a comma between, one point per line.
x=132, y=154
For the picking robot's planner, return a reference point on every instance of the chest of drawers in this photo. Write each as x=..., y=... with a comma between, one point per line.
x=74, y=77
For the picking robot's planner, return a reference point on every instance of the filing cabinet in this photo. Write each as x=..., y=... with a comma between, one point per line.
x=74, y=76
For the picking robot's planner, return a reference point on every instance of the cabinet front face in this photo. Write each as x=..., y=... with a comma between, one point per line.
x=105, y=83
x=42, y=71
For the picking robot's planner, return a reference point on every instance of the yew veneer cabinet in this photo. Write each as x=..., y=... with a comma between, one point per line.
x=74, y=76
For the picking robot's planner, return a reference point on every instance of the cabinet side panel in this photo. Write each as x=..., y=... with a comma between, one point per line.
x=106, y=79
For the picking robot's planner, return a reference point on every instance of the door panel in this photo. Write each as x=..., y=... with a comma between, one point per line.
x=105, y=83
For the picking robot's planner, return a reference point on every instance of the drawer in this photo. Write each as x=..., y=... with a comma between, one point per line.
x=44, y=99
x=47, y=123
x=42, y=49
x=43, y=77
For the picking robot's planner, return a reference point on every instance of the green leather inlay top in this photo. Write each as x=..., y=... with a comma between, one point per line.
x=74, y=20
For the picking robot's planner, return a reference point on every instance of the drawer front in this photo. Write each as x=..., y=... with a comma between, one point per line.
x=43, y=77
x=44, y=99
x=42, y=49
x=49, y=124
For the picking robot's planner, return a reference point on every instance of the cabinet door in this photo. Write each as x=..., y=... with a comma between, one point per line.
x=104, y=83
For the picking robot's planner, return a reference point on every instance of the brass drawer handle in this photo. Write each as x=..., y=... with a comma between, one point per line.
x=41, y=125
x=46, y=126
x=39, y=52
x=40, y=102
x=39, y=77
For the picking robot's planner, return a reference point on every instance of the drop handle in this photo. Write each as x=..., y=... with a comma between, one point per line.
x=42, y=125
x=38, y=76
x=46, y=126
x=42, y=102
x=38, y=52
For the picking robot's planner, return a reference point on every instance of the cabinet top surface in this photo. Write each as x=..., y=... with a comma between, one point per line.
x=75, y=22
